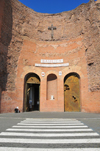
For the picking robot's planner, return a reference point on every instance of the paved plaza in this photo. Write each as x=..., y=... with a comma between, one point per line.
x=36, y=131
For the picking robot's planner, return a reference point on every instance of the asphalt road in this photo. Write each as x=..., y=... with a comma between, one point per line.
x=90, y=119
x=27, y=120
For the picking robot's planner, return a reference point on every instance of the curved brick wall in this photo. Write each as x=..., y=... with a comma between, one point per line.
x=19, y=23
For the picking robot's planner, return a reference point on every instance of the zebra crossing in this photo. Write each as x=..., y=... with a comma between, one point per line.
x=49, y=135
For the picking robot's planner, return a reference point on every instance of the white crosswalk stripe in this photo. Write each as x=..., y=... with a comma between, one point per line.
x=51, y=149
x=49, y=141
x=51, y=126
x=49, y=130
x=50, y=135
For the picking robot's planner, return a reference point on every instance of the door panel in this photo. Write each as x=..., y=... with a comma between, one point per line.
x=72, y=93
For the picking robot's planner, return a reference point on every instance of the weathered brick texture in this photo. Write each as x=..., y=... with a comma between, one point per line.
x=25, y=40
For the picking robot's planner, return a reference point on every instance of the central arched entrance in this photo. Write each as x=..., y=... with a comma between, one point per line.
x=31, y=92
x=72, y=93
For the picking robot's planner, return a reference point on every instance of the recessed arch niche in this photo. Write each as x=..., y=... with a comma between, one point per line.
x=51, y=87
x=31, y=92
x=72, y=93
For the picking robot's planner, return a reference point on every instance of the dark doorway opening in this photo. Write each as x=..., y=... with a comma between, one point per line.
x=32, y=93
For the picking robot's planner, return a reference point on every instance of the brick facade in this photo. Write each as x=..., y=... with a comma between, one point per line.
x=76, y=41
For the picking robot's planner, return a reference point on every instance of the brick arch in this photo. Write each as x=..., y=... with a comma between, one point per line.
x=31, y=73
x=73, y=69
x=52, y=72
x=31, y=70
x=72, y=73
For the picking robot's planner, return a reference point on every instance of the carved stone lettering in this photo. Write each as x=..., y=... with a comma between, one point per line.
x=52, y=61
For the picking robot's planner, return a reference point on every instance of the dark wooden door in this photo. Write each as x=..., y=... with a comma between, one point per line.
x=72, y=94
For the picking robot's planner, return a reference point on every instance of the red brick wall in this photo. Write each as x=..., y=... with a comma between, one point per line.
x=70, y=51
x=26, y=40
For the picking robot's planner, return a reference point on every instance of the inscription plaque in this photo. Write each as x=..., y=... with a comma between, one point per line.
x=52, y=65
x=52, y=61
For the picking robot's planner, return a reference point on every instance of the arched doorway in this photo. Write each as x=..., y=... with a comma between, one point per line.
x=31, y=92
x=72, y=93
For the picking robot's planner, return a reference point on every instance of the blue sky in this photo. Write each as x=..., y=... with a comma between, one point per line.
x=52, y=6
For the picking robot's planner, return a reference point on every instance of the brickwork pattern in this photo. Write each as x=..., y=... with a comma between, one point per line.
x=25, y=40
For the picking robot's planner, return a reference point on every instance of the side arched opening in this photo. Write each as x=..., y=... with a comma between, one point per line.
x=31, y=92
x=72, y=93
